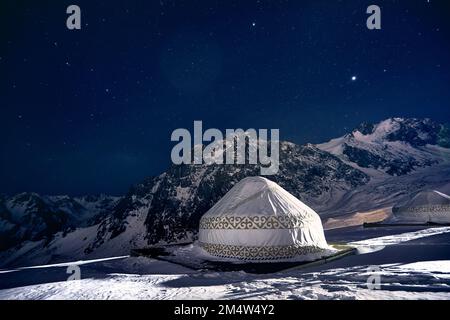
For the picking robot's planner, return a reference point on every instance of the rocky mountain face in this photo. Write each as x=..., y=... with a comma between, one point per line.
x=367, y=168
x=175, y=201
x=29, y=216
x=395, y=146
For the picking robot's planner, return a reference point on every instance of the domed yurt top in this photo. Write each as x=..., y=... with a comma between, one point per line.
x=426, y=206
x=261, y=197
x=257, y=220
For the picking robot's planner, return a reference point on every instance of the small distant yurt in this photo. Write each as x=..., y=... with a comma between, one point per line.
x=257, y=220
x=426, y=206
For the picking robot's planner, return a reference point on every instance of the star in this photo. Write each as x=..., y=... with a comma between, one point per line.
x=253, y=24
x=354, y=78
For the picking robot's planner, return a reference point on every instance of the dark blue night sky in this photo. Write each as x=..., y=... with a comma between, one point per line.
x=91, y=111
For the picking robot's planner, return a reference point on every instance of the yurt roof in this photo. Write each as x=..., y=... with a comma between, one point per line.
x=259, y=196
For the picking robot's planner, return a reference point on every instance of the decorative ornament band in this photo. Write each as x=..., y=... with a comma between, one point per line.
x=258, y=253
x=424, y=209
x=253, y=222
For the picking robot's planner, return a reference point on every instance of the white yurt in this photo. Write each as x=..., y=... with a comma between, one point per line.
x=257, y=220
x=426, y=206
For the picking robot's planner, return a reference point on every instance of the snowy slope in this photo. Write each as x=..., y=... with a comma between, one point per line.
x=401, y=157
x=382, y=193
x=404, y=274
x=395, y=146
x=30, y=216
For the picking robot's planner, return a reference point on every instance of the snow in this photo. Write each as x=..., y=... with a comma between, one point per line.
x=442, y=194
x=386, y=192
x=396, y=239
x=379, y=145
x=183, y=194
x=332, y=284
x=403, y=274
x=427, y=266
x=78, y=208
x=65, y=264
x=334, y=146
x=368, y=141
x=133, y=237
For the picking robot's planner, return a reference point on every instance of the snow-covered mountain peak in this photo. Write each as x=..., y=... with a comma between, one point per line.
x=394, y=146
x=416, y=132
x=366, y=132
x=30, y=216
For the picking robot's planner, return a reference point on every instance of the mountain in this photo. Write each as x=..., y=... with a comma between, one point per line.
x=29, y=216
x=174, y=202
x=401, y=155
x=167, y=208
x=372, y=167
x=395, y=146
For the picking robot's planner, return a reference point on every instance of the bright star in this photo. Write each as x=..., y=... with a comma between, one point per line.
x=253, y=24
x=354, y=78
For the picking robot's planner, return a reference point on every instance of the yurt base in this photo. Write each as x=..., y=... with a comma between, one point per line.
x=182, y=255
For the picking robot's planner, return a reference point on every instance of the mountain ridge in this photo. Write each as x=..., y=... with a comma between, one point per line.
x=167, y=208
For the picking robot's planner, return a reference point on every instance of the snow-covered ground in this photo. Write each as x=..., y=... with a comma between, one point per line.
x=411, y=263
